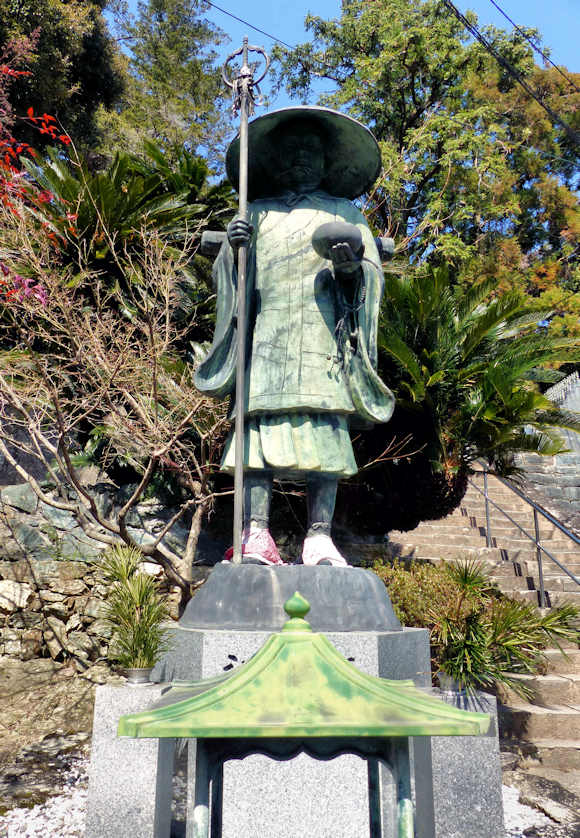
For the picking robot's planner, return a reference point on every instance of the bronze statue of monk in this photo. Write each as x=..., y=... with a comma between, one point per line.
x=313, y=292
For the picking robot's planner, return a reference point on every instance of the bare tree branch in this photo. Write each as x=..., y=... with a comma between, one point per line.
x=100, y=366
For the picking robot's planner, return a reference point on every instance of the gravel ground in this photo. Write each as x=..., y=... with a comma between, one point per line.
x=517, y=817
x=63, y=816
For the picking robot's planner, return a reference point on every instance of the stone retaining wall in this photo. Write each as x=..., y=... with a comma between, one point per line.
x=51, y=594
x=52, y=608
x=556, y=480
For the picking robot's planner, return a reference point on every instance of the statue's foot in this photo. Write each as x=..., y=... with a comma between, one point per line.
x=258, y=547
x=320, y=549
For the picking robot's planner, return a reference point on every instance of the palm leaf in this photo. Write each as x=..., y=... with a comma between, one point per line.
x=491, y=319
x=522, y=321
x=467, y=301
x=559, y=418
x=544, y=443
x=393, y=345
x=544, y=376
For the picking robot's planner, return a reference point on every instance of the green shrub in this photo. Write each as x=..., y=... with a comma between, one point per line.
x=479, y=637
x=420, y=591
x=134, y=609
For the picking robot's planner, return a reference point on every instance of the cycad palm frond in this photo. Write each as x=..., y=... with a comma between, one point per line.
x=525, y=320
x=526, y=442
x=477, y=361
x=544, y=376
x=131, y=195
x=491, y=319
x=558, y=418
x=391, y=343
x=466, y=301
x=525, y=352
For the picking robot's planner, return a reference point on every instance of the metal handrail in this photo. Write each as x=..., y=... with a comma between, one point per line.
x=559, y=391
x=536, y=540
x=548, y=515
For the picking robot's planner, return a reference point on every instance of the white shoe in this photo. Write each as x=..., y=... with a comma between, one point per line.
x=320, y=550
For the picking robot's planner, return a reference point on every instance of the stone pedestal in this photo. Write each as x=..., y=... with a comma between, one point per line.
x=225, y=624
x=219, y=631
x=130, y=780
x=464, y=797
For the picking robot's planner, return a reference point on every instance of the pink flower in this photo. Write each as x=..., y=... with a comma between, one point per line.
x=24, y=284
x=24, y=287
x=41, y=294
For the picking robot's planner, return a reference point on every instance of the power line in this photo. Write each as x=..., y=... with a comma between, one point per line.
x=476, y=34
x=267, y=34
x=512, y=71
x=249, y=25
x=535, y=46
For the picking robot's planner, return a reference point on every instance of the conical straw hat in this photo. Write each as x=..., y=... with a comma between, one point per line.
x=353, y=158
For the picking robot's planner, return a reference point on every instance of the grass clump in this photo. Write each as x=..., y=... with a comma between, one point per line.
x=479, y=637
x=134, y=609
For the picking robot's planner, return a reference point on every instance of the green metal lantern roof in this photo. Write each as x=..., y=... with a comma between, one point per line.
x=298, y=685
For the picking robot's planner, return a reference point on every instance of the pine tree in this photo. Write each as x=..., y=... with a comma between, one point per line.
x=174, y=92
x=469, y=158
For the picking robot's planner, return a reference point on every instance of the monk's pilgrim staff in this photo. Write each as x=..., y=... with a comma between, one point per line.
x=244, y=89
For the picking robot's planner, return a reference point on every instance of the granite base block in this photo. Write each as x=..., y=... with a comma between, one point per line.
x=464, y=795
x=130, y=780
x=199, y=653
x=457, y=786
x=328, y=799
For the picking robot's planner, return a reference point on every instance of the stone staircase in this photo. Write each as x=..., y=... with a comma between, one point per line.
x=548, y=727
x=511, y=558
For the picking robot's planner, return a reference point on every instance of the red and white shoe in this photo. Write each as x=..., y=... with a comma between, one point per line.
x=258, y=547
x=320, y=550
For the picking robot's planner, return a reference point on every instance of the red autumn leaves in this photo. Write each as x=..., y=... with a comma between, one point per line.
x=15, y=185
x=46, y=124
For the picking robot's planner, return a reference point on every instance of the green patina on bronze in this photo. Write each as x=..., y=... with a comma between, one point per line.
x=305, y=164
x=304, y=329
x=298, y=685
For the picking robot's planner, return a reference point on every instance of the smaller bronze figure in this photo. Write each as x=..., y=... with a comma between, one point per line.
x=314, y=283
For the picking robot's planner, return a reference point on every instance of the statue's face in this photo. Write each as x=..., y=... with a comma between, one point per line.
x=301, y=155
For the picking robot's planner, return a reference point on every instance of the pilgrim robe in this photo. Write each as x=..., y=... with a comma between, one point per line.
x=311, y=342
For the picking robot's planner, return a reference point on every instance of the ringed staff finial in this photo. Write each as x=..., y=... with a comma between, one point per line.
x=246, y=94
x=243, y=84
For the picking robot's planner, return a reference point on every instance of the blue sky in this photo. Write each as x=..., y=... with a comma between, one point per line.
x=557, y=20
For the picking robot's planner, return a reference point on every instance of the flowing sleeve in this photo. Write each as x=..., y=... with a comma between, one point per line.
x=216, y=375
x=373, y=400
